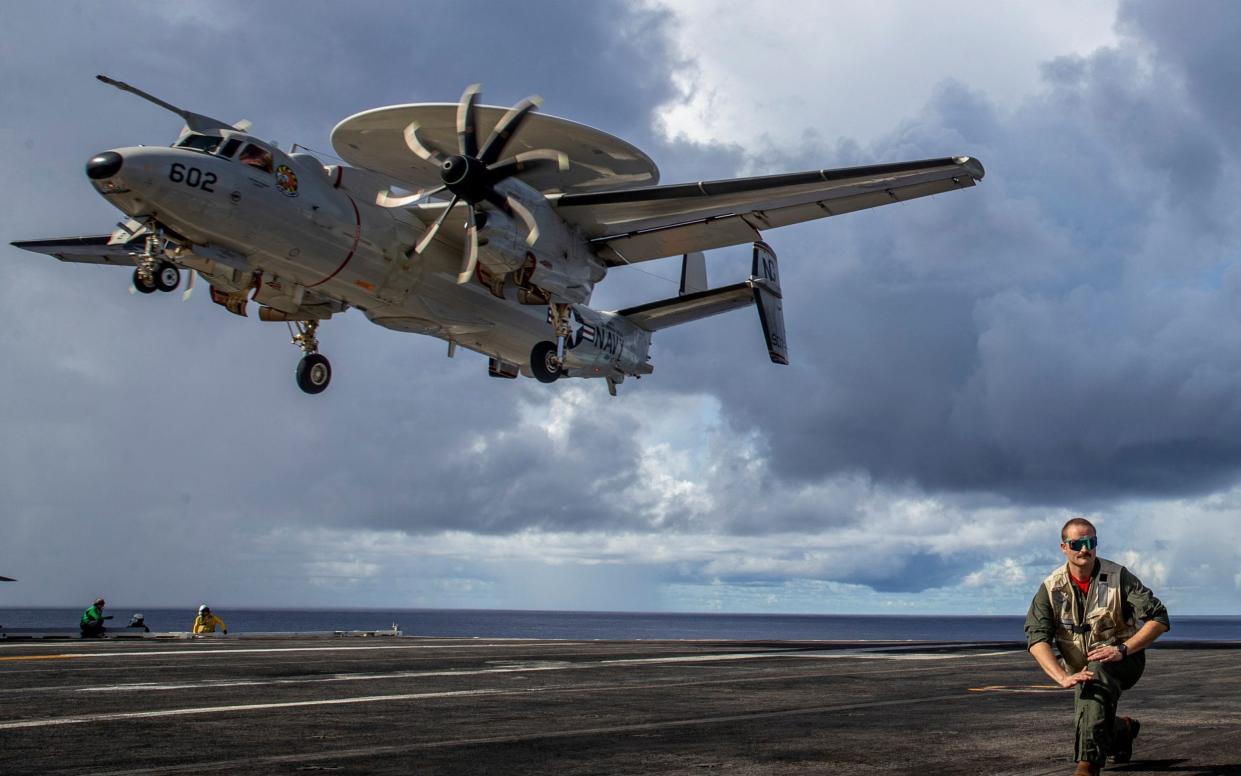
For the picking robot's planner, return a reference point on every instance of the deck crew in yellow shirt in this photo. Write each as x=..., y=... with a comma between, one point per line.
x=206, y=622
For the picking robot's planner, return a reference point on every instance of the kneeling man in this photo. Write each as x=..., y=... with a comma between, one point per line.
x=1089, y=608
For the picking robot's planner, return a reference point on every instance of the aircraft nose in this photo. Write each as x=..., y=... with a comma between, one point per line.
x=102, y=166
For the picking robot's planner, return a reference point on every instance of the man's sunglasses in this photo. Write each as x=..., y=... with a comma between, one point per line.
x=1088, y=543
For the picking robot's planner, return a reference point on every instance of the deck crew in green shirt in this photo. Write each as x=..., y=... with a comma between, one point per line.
x=91, y=625
x=1089, y=609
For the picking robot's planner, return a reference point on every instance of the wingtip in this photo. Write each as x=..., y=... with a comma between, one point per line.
x=972, y=166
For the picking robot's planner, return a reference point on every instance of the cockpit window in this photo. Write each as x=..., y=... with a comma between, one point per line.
x=230, y=148
x=204, y=143
x=256, y=157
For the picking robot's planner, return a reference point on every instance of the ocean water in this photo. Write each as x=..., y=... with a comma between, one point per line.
x=603, y=625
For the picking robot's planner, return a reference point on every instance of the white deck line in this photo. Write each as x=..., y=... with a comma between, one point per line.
x=209, y=652
x=525, y=667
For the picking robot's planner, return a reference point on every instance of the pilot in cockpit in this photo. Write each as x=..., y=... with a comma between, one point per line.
x=256, y=157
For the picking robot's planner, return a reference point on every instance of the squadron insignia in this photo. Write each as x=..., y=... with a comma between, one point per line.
x=286, y=180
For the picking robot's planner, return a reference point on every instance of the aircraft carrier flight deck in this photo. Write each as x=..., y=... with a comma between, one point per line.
x=302, y=704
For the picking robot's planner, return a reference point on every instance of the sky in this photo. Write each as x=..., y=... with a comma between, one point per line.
x=968, y=370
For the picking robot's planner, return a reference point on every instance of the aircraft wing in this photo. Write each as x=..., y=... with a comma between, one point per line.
x=634, y=225
x=82, y=250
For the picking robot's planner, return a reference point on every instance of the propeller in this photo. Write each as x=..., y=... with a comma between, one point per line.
x=472, y=173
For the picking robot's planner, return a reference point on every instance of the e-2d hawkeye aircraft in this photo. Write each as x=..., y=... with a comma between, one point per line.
x=485, y=227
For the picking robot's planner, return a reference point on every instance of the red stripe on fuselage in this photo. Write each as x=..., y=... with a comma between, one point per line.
x=357, y=235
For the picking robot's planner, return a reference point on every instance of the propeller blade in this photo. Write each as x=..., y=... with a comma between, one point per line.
x=507, y=126
x=435, y=227
x=467, y=137
x=420, y=148
x=386, y=199
x=471, y=250
x=532, y=226
x=542, y=159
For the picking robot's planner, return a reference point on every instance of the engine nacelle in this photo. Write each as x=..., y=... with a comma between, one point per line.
x=605, y=344
x=559, y=267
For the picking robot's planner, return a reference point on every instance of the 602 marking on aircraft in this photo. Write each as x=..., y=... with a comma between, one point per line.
x=485, y=227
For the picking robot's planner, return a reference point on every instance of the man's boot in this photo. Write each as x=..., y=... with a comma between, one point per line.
x=1124, y=747
x=1086, y=768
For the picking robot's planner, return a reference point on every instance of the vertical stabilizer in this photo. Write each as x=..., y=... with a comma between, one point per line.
x=768, y=299
x=693, y=273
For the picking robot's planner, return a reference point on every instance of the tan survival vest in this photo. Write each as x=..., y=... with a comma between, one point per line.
x=1103, y=623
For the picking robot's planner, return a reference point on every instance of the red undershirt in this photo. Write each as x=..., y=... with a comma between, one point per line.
x=1082, y=584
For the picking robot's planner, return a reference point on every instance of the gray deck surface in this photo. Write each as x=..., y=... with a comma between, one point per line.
x=441, y=706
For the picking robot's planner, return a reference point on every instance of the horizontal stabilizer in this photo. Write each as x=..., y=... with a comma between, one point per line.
x=654, y=316
x=81, y=250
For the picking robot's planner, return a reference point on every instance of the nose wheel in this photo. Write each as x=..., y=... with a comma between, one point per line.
x=144, y=283
x=165, y=277
x=314, y=371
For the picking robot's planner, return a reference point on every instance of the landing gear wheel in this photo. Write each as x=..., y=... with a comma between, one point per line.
x=167, y=276
x=313, y=373
x=544, y=364
x=142, y=286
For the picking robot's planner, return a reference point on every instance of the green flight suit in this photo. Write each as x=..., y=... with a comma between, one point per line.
x=1094, y=702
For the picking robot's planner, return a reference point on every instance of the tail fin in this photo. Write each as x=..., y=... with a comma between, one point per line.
x=693, y=273
x=768, y=299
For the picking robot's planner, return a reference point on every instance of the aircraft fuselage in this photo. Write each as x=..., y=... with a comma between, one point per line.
x=286, y=229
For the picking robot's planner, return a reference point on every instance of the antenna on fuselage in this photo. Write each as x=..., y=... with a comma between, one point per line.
x=195, y=121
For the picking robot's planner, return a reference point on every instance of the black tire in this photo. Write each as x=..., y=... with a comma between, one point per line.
x=142, y=287
x=313, y=373
x=167, y=277
x=543, y=362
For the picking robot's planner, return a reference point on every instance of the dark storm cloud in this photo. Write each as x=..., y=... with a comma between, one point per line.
x=1065, y=332
x=1196, y=41
x=141, y=426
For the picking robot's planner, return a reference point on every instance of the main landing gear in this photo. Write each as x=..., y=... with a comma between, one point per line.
x=547, y=358
x=544, y=363
x=314, y=372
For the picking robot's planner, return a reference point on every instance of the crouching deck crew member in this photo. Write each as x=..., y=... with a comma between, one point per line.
x=1089, y=609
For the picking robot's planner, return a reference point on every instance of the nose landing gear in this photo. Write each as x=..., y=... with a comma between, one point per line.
x=166, y=277
x=154, y=271
x=314, y=372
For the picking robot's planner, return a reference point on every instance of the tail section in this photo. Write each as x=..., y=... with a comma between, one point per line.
x=765, y=280
x=696, y=301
